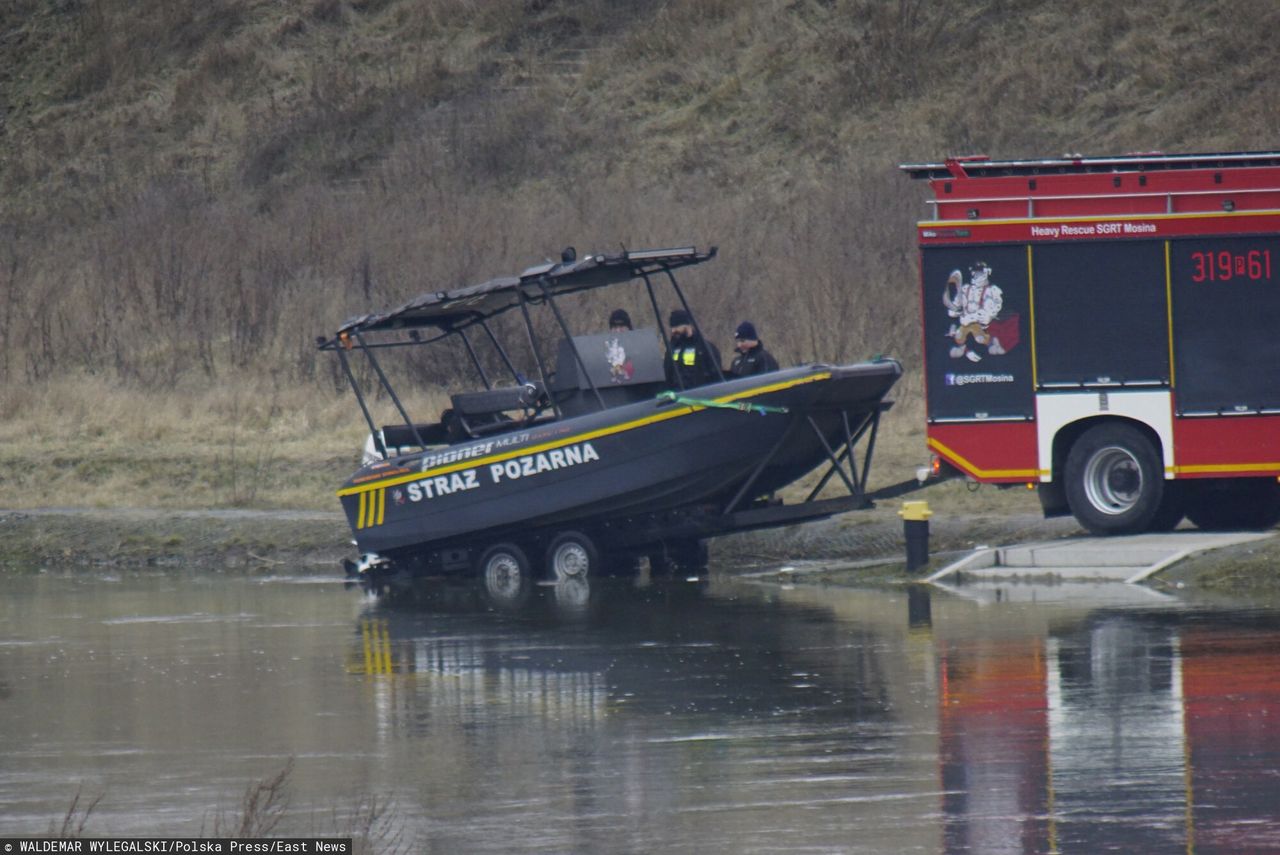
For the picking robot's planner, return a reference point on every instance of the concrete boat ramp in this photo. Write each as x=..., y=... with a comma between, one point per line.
x=1092, y=567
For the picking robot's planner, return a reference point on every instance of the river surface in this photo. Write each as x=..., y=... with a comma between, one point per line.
x=720, y=716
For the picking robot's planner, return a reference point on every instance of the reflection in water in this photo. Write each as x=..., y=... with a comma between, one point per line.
x=718, y=717
x=1116, y=742
x=673, y=716
x=1231, y=691
x=994, y=734
x=1097, y=739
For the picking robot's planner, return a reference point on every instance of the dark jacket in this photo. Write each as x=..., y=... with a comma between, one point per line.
x=757, y=360
x=691, y=361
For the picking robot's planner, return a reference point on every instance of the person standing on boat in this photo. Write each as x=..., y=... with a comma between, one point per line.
x=691, y=360
x=620, y=321
x=751, y=357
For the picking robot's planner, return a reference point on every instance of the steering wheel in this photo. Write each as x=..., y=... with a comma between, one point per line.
x=534, y=399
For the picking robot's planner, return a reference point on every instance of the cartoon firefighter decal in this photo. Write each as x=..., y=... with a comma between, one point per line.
x=975, y=305
x=621, y=369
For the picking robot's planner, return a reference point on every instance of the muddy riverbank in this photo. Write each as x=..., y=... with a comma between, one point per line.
x=859, y=547
x=201, y=540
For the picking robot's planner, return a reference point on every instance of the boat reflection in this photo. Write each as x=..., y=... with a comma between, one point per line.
x=953, y=724
x=671, y=646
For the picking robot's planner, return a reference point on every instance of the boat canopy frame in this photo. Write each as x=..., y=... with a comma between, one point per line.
x=453, y=312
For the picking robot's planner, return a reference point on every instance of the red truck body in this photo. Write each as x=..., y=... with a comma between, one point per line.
x=1108, y=329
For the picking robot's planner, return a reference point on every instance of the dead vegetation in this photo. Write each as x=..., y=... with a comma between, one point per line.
x=265, y=809
x=189, y=193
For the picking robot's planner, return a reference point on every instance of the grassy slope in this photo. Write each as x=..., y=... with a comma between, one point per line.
x=288, y=151
x=102, y=93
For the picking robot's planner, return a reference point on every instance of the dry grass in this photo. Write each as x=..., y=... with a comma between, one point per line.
x=264, y=811
x=190, y=193
x=80, y=442
x=210, y=167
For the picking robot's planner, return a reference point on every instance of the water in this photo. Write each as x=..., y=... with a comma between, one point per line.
x=712, y=717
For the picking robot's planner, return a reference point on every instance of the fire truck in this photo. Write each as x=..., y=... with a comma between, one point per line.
x=1107, y=330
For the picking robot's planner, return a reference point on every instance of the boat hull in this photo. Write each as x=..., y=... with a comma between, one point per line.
x=641, y=458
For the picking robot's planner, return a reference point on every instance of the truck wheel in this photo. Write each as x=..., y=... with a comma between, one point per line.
x=572, y=555
x=1114, y=480
x=1236, y=503
x=505, y=574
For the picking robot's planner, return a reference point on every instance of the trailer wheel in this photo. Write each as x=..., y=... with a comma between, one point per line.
x=1114, y=480
x=685, y=556
x=572, y=555
x=1236, y=503
x=693, y=556
x=505, y=573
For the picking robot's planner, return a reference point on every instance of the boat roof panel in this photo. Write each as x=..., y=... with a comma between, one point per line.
x=461, y=306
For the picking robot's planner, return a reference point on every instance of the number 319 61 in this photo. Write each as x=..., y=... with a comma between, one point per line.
x=1223, y=266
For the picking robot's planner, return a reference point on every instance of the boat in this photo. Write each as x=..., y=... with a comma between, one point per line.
x=592, y=461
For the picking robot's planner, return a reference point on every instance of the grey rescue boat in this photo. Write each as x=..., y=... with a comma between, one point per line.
x=596, y=461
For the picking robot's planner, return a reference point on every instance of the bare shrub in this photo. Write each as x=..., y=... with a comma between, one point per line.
x=74, y=820
x=262, y=807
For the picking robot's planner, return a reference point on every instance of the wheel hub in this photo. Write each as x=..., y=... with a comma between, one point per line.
x=1113, y=480
x=502, y=574
x=571, y=560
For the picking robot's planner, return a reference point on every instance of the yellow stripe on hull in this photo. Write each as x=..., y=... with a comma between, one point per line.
x=675, y=412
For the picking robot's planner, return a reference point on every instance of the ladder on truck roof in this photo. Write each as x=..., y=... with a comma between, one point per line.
x=1145, y=184
x=982, y=166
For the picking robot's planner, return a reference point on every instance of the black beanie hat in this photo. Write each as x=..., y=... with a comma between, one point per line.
x=747, y=330
x=620, y=318
x=679, y=317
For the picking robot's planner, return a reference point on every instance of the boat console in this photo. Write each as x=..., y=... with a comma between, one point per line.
x=622, y=366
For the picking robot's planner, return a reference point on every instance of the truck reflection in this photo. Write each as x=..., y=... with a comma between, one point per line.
x=1231, y=696
x=1128, y=733
x=994, y=734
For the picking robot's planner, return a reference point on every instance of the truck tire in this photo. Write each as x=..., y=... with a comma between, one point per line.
x=1234, y=503
x=1114, y=480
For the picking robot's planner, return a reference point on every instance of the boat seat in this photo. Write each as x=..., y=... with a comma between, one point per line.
x=401, y=436
x=477, y=414
x=497, y=400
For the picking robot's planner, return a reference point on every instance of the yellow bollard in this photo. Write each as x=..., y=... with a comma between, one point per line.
x=915, y=530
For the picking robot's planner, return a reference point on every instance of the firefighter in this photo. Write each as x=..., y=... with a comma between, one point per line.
x=751, y=357
x=620, y=321
x=691, y=360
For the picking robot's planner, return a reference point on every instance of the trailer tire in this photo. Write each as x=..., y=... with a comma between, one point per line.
x=1236, y=503
x=572, y=555
x=505, y=573
x=659, y=565
x=1114, y=480
x=679, y=556
x=694, y=556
